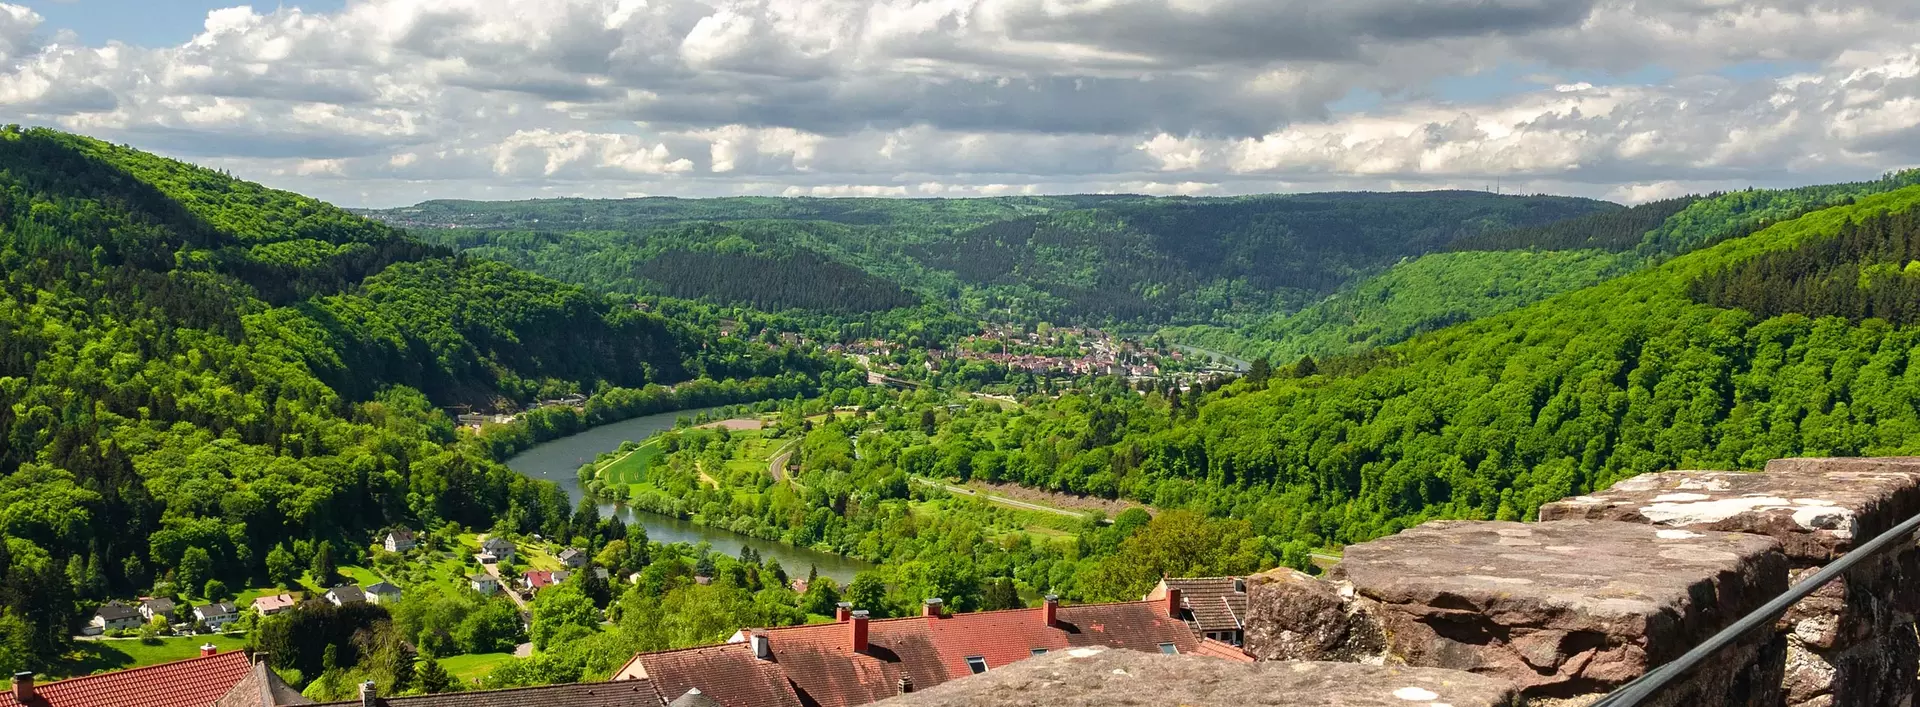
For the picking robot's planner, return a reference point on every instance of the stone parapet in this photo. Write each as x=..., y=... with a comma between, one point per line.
x=1097, y=677
x=1562, y=610
x=1852, y=644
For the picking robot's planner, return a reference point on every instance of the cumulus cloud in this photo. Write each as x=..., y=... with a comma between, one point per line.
x=391, y=100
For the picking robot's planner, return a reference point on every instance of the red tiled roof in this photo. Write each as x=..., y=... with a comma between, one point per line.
x=820, y=662
x=538, y=579
x=195, y=682
x=817, y=665
x=728, y=672
x=1224, y=651
x=579, y=694
x=1139, y=625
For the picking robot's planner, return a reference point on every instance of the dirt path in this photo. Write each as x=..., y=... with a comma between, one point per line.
x=1056, y=499
x=1001, y=500
x=737, y=424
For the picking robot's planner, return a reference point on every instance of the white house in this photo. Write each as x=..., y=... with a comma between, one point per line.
x=346, y=594
x=483, y=583
x=383, y=593
x=114, y=616
x=160, y=606
x=496, y=549
x=400, y=540
x=573, y=558
x=217, y=614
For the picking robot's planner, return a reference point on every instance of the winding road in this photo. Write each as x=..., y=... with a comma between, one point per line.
x=777, y=466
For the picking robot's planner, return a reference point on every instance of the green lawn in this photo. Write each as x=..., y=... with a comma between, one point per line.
x=633, y=467
x=360, y=575
x=474, y=665
x=122, y=653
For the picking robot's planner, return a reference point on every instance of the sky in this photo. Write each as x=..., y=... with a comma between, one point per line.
x=385, y=103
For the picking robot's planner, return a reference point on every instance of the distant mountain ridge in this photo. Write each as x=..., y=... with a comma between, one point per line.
x=1100, y=259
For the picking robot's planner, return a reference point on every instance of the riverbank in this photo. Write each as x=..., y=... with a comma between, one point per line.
x=559, y=461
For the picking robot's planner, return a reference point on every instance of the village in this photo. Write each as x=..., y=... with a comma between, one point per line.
x=1047, y=352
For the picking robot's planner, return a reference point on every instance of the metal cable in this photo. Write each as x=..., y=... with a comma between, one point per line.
x=1649, y=684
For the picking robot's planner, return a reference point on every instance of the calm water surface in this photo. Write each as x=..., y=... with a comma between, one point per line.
x=559, y=461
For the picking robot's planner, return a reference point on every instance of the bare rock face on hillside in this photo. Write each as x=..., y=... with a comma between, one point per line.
x=1098, y=677
x=1852, y=643
x=1573, y=608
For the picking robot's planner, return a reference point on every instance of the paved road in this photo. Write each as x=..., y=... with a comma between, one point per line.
x=526, y=613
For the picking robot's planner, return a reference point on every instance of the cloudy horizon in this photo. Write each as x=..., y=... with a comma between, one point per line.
x=384, y=103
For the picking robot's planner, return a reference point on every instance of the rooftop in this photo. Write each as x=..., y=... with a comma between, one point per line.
x=195, y=682
x=817, y=663
x=1217, y=603
x=629, y=693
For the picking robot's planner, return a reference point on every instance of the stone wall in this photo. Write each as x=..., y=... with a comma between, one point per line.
x=1611, y=584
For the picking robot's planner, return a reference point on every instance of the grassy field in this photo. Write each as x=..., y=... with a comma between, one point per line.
x=122, y=653
x=632, y=467
x=468, y=667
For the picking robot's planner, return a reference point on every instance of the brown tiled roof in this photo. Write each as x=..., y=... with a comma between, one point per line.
x=626, y=693
x=728, y=673
x=261, y=688
x=195, y=682
x=1215, y=604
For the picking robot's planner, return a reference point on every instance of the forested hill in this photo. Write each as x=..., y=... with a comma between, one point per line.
x=1796, y=340
x=1091, y=259
x=1494, y=271
x=196, y=366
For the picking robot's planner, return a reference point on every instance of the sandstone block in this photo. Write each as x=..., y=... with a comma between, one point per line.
x=1576, y=607
x=1292, y=616
x=1852, y=643
x=1090, y=677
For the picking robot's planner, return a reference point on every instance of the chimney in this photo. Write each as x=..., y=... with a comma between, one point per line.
x=931, y=608
x=1051, y=610
x=842, y=611
x=906, y=685
x=369, y=696
x=22, y=685
x=761, y=649
x=207, y=649
x=860, y=631
x=1173, y=602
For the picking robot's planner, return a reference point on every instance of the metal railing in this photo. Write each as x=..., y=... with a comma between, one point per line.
x=1650, y=684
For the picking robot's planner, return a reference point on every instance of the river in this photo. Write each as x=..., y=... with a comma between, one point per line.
x=559, y=461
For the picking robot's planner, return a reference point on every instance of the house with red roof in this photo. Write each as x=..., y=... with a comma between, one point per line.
x=212, y=679
x=537, y=580
x=857, y=660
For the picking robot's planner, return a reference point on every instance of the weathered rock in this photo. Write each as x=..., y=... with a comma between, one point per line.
x=1089, y=677
x=1292, y=616
x=1575, y=607
x=1852, y=642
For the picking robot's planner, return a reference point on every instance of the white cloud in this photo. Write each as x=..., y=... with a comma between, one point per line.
x=502, y=98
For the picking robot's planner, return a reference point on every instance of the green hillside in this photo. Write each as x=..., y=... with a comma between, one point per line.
x=1092, y=259
x=1490, y=272
x=1691, y=364
x=192, y=365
